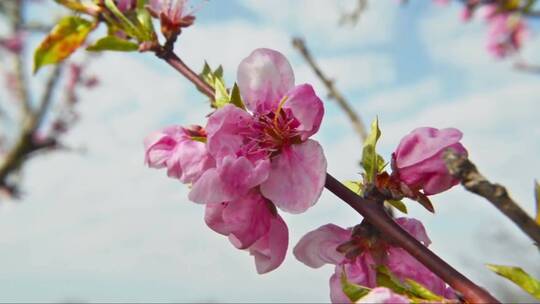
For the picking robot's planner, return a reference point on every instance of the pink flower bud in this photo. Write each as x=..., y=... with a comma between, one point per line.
x=418, y=160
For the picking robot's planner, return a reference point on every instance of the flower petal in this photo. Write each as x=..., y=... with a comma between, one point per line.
x=423, y=143
x=383, y=295
x=233, y=178
x=318, y=247
x=415, y=228
x=307, y=108
x=403, y=265
x=189, y=161
x=245, y=220
x=270, y=250
x=336, y=290
x=158, y=146
x=227, y=129
x=297, y=177
x=264, y=77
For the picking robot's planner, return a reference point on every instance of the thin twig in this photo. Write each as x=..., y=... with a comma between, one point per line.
x=353, y=16
x=355, y=119
x=461, y=167
x=370, y=210
x=20, y=77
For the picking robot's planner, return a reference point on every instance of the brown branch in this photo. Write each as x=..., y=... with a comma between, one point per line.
x=25, y=143
x=333, y=93
x=375, y=214
x=370, y=210
x=20, y=77
x=461, y=167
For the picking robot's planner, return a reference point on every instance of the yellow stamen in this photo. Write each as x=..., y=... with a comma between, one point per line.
x=278, y=111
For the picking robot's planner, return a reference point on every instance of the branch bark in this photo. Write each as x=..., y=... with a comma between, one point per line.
x=461, y=167
x=355, y=119
x=370, y=210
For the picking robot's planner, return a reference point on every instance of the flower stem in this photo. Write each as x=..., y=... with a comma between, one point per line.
x=370, y=210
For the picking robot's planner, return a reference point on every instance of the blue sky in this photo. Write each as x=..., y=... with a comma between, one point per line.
x=99, y=226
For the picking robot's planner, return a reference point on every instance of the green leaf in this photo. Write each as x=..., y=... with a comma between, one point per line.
x=113, y=43
x=372, y=162
x=387, y=279
x=124, y=22
x=399, y=205
x=537, y=199
x=236, y=98
x=145, y=19
x=422, y=291
x=221, y=96
x=353, y=291
x=356, y=187
x=519, y=277
x=66, y=37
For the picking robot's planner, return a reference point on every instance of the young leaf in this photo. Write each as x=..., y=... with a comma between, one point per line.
x=125, y=23
x=355, y=187
x=421, y=291
x=68, y=35
x=537, y=199
x=519, y=277
x=399, y=205
x=221, y=96
x=387, y=279
x=353, y=291
x=236, y=98
x=371, y=161
x=113, y=43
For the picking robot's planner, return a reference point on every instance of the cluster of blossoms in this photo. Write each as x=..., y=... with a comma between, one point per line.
x=507, y=29
x=244, y=163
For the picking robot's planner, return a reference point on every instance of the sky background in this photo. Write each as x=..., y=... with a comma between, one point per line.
x=99, y=226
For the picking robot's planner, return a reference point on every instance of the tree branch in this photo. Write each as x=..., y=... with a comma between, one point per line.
x=355, y=119
x=461, y=167
x=370, y=210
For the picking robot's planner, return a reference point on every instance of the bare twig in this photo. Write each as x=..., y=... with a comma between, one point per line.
x=461, y=167
x=355, y=119
x=372, y=211
x=353, y=16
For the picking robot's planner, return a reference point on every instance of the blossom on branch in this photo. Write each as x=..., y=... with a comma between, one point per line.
x=358, y=253
x=173, y=15
x=506, y=32
x=244, y=164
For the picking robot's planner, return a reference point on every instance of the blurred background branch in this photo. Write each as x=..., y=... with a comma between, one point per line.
x=356, y=120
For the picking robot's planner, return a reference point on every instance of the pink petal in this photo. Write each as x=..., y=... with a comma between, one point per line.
x=318, y=247
x=336, y=290
x=423, y=143
x=227, y=129
x=415, y=228
x=189, y=161
x=160, y=145
x=383, y=295
x=269, y=251
x=297, y=177
x=264, y=77
x=403, y=265
x=233, y=178
x=245, y=220
x=431, y=174
x=307, y=108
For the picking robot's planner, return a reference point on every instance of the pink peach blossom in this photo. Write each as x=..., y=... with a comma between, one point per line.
x=269, y=147
x=320, y=247
x=418, y=160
